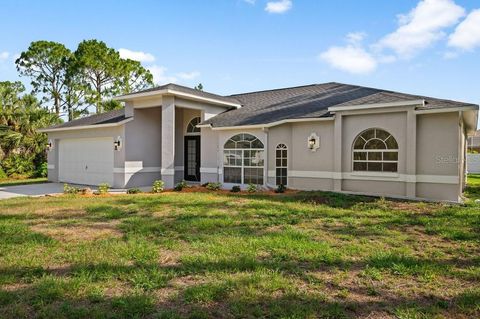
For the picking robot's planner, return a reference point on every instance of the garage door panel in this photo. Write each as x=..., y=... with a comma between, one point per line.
x=86, y=161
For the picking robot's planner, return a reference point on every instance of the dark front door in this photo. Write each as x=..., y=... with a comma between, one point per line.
x=192, y=158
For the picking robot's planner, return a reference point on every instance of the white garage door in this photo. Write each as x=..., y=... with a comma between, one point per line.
x=87, y=161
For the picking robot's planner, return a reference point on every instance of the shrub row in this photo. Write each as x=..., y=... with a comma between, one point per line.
x=158, y=187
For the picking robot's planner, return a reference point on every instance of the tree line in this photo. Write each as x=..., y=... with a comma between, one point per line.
x=22, y=148
x=71, y=81
x=63, y=82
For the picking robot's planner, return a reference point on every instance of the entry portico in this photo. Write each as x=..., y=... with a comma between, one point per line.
x=180, y=113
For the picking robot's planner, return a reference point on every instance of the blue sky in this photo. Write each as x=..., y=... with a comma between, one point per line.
x=429, y=47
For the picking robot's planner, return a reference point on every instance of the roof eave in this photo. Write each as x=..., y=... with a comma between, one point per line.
x=85, y=127
x=129, y=97
x=470, y=117
x=266, y=125
x=376, y=105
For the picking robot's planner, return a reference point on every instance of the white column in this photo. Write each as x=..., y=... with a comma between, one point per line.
x=337, y=153
x=168, y=141
x=411, y=156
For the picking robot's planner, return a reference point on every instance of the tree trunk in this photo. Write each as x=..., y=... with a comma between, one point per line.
x=70, y=112
x=57, y=105
x=99, y=96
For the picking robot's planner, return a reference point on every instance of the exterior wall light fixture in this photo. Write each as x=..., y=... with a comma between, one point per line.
x=49, y=145
x=313, y=142
x=117, y=143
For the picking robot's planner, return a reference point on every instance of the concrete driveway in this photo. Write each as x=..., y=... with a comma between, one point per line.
x=43, y=189
x=30, y=190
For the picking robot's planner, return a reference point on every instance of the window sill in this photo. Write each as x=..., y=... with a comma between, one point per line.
x=375, y=174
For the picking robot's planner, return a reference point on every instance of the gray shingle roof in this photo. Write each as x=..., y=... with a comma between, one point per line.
x=263, y=107
x=312, y=101
x=187, y=90
x=103, y=118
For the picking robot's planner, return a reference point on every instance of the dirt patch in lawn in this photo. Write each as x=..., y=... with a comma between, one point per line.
x=80, y=232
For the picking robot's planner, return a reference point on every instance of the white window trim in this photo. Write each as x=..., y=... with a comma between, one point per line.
x=386, y=150
x=187, y=133
x=276, y=157
x=242, y=176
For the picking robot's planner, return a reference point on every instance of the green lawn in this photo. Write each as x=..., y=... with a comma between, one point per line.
x=15, y=181
x=218, y=255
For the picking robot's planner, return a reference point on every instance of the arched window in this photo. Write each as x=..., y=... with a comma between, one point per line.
x=375, y=150
x=243, y=160
x=281, y=164
x=192, y=126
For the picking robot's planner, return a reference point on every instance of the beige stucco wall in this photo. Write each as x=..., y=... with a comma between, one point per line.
x=300, y=158
x=303, y=159
x=438, y=138
x=439, y=153
x=143, y=142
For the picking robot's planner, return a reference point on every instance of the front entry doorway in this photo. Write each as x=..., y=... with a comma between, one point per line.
x=192, y=158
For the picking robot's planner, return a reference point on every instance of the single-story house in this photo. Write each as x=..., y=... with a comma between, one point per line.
x=330, y=137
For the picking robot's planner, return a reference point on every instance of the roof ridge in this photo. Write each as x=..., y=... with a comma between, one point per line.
x=285, y=88
x=385, y=91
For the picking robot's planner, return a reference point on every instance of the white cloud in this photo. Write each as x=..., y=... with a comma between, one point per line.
x=4, y=55
x=467, y=34
x=280, y=6
x=188, y=75
x=136, y=55
x=356, y=37
x=350, y=58
x=160, y=76
x=422, y=26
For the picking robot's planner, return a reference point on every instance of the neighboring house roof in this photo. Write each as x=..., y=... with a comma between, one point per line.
x=111, y=117
x=182, y=89
x=313, y=101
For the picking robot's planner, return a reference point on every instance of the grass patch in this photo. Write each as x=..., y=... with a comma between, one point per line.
x=224, y=255
x=16, y=182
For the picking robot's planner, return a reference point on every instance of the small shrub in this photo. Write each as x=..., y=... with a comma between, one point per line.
x=157, y=186
x=235, y=189
x=42, y=170
x=134, y=191
x=180, y=186
x=280, y=189
x=19, y=165
x=103, y=188
x=214, y=186
x=2, y=174
x=67, y=189
x=251, y=188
